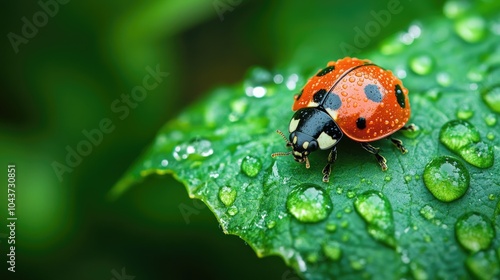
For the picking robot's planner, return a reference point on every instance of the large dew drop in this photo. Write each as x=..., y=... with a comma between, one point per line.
x=463, y=138
x=428, y=212
x=484, y=264
x=456, y=134
x=478, y=154
x=332, y=251
x=446, y=178
x=474, y=231
x=422, y=64
x=376, y=210
x=227, y=195
x=471, y=29
x=251, y=166
x=492, y=98
x=309, y=203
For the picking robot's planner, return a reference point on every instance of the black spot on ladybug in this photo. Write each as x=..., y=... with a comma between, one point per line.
x=332, y=101
x=319, y=95
x=361, y=123
x=325, y=71
x=372, y=93
x=400, y=96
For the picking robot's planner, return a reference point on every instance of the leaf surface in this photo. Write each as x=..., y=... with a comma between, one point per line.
x=221, y=147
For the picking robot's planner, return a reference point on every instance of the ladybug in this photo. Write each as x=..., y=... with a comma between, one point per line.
x=351, y=97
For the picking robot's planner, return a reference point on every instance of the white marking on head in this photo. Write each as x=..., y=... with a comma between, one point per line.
x=295, y=140
x=325, y=141
x=305, y=145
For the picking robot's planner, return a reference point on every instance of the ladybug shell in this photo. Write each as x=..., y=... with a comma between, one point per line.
x=366, y=101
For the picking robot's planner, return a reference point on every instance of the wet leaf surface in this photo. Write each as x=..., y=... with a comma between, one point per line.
x=220, y=149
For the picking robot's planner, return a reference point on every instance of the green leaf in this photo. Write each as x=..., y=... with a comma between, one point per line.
x=365, y=223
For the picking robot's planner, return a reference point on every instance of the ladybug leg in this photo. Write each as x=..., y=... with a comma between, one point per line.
x=332, y=157
x=375, y=151
x=399, y=144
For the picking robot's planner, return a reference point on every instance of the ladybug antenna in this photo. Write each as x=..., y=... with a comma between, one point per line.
x=279, y=154
x=288, y=144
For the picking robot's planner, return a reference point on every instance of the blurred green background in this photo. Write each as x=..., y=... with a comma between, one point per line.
x=66, y=65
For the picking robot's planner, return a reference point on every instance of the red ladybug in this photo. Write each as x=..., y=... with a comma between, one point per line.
x=353, y=97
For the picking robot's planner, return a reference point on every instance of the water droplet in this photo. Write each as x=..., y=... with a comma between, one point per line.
x=422, y=64
x=490, y=119
x=233, y=210
x=427, y=238
x=344, y=224
x=376, y=210
x=428, y=212
x=418, y=272
x=477, y=73
x=474, y=231
x=463, y=138
x=227, y=195
x=309, y=203
x=312, y=257
x=332, y=251
x=271, y=224
x=391, y=46
x=387, y=178
x=492, y=197
x=478, y=154
x=258, y=79
x=238, y=109
x=291, y=82
x=492, y=98
x=446, y=178
x=465, y=112
x=484, y=264
x=351, y=194
x=471, y=29
x=213, y=174
x=433, y=94
x=251, y=166
x=278, y=79
x=490, y=136
x=456, y=134
x=455, y=9
x=357, y=264
x=443, y=79
x=331, y=227
x=407, y=178
x=340, y=190
x=412, y=134
x=197, y=149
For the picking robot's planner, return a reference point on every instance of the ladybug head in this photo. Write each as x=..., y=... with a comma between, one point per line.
x=302, y=145
x=310, y=129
